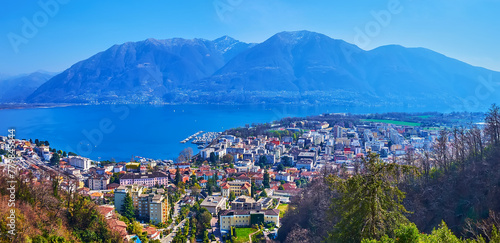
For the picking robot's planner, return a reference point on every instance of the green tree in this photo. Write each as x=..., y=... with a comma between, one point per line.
x=115, y=178
x=178, y=177
x=64, y=154
x=128, y=207
x=253, y=189
x=55, y=159
x=265, y=182
x=226, y=159
x=369, y=203
x=205, y=237
x=232, y=196
x=46, y=143
x=281, y=167
x=213, y=158
x=263, y=193
x=262, y=161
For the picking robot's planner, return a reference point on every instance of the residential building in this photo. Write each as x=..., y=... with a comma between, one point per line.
x=245, y=203
x=238, y=187
x=98, y=182
x=148, y=179
x=214, y=204
x=79, y=162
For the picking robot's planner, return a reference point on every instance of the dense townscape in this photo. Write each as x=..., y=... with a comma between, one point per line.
x=236, y=189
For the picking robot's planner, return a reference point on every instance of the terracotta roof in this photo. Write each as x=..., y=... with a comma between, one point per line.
x=104, y=210
x=96, y=194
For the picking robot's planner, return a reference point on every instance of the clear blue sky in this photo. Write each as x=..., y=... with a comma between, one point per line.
x=463, y=29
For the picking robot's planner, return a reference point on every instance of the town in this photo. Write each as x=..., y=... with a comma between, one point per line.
x=236, y=189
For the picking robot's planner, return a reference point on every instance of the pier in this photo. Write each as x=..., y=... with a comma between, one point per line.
x=191, y=137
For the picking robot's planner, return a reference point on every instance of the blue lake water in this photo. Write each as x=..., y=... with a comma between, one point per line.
x=122, y=131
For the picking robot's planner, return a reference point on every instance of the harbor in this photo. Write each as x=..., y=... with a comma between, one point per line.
x=205, y=139
x=191, y=137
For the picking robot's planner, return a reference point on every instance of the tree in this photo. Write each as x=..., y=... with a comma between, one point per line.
x=185, y=155
x=281, y=188
x=369, y=203
x=37, y=142
x=441, y=150
x=226, y=159
x=128, y=207
x=178, y=177
x=253, y=189
x=195, y=190
x=55, y=159
x=213, y=158
x=262, y=161
x=286, y=161
x=205, y=237
x=46, y=143
x=493, y=124
x=265, y=182
x=64, y=154
x=115, y=178
x=281, y=167
x=232, y=196
x=263, y=193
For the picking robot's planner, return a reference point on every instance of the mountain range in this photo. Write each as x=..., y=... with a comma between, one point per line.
x=289, y=67
x=17, y=88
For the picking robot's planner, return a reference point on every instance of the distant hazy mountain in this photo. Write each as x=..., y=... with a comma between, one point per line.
x=298, y=67
x=16, y=89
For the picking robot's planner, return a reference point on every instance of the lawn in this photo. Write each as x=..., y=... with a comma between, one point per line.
x=283, y=208
x=402, y=123
x=243, y=234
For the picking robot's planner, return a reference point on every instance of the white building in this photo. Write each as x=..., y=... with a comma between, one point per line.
x=79, y=162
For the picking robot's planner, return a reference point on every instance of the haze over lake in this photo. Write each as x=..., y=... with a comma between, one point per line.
x=149, y=131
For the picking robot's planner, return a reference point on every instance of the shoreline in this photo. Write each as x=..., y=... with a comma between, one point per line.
x=33, y=106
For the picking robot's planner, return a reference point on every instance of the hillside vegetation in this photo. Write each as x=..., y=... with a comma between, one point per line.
x=45, y=213
x=449, y=195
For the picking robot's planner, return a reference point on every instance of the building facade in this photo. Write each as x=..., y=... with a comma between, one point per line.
x=149, y=179
x=247, y=218
x=238, y=187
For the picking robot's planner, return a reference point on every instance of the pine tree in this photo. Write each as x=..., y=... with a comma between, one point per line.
x=177, y=176
x=369, y=203
x=128, y=207
x=265, y=182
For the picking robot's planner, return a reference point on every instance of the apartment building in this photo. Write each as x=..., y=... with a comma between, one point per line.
x=149, y=179
x=149, y=206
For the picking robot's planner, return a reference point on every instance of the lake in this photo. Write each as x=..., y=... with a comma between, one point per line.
x=123, y=131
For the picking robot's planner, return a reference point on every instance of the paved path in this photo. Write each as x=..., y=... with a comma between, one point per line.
x=171, y=236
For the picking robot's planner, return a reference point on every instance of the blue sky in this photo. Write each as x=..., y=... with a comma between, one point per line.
x=72, y=30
